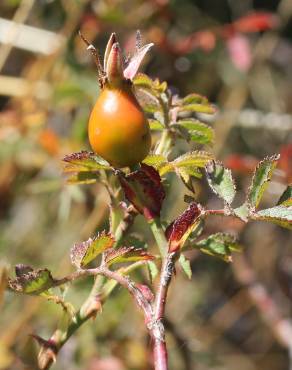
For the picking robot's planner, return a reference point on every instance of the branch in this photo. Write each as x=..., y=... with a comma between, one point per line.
x=89, y=309
x=157, y=329
x=136, y=293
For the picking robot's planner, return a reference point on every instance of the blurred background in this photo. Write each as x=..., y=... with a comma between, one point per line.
x=238, y=54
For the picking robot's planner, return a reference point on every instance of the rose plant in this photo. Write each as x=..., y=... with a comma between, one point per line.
x=135, y=175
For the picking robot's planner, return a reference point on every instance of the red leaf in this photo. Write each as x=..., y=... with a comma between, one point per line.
x=144, y=190
x=179, y=230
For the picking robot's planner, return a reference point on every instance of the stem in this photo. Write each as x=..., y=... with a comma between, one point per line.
x=136, y=293
x=219, y=212
x=159, y=236
x=160, y=350
x=156, y=329
x=165, y=278
x=166, y=141
x=160, y=355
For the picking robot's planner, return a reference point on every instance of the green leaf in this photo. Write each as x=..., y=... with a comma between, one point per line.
x=286, y=197
x=220, y=180
x=31, y=281
x=156, y=87
x=198, y=131
x=84, y=177
x=153, y=270
x=161, y=87
x=185, y=265
x=279, y=215
x=155, y=125
x=142, y=80
x=155, y=160
x=261, y=177
x=84, y=161
x=186, y=174
x=194, y=99
x=220, y=245
x=148, y=98
x=83, y=253
x=126, y=254
x=118, y=213
x=242, y=212
x=190, y=160
x=186, y=179
x=198, y=108
x=149, y=107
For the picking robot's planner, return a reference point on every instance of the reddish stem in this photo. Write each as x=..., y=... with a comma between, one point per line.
x=160, y=355
x=219, y=212
x=158, y=332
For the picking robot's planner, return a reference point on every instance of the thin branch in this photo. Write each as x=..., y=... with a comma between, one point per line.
x=136, y=293
x=88, y=310
x=124, y=281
